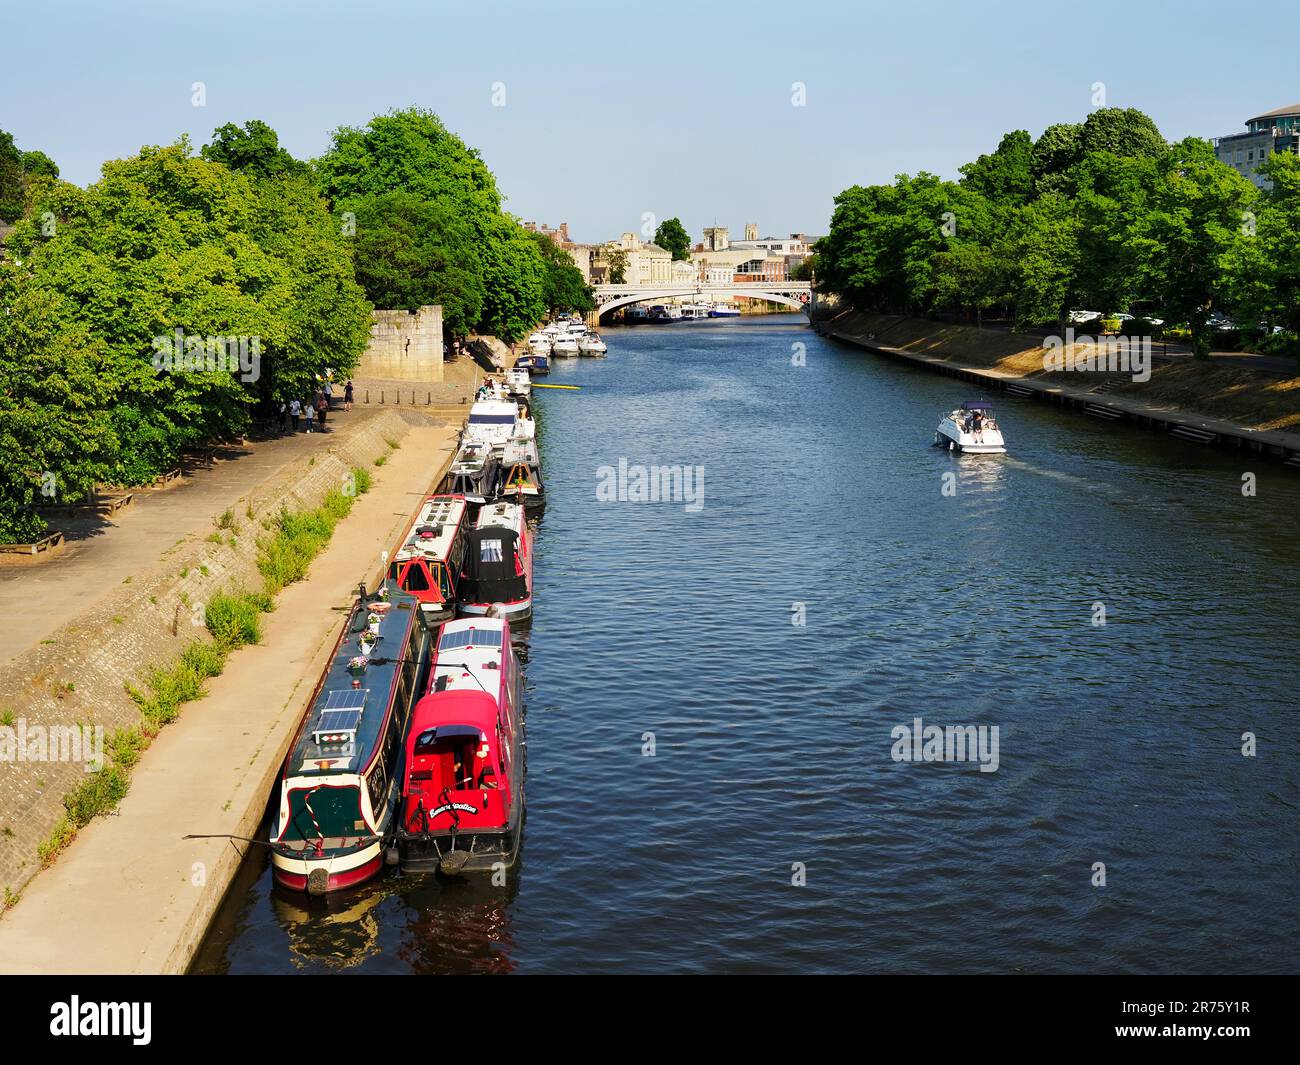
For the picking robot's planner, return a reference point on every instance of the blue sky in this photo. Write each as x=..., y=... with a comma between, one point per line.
x=613, y=110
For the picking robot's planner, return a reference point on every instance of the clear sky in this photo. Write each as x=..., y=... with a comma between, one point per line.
x=615, y=109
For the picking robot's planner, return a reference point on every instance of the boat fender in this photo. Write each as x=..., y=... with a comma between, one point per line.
x=318, y=882
x=391, y=856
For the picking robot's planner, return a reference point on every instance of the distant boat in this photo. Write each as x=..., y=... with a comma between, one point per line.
x=717, y=311
x=565, y=347
x=591, y=344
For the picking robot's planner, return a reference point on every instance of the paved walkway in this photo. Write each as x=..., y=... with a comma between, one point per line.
x=100, y=553
x=129, y=895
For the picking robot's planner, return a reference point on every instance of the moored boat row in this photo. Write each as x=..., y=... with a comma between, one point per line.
x=410, y=752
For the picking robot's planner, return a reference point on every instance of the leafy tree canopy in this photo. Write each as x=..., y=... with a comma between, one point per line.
x=672, y=236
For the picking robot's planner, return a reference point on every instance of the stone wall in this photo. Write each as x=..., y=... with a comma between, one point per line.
x=404, y=346
x=79, y=675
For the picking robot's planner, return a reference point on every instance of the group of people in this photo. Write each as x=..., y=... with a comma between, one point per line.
x=977, y=421
x=314, y=410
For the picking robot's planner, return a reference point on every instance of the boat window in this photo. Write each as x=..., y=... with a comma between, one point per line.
x=470, y=638
x=489, y=551
x=492, y=419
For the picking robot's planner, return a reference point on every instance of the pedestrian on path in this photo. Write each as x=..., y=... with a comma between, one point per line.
x=311, y=415
x=284, y=416
x=347, y=395
x=295, y=412
x=322, y=408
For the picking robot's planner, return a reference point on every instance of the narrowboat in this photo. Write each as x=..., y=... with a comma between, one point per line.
x=473, y=472
x=342, y=780
x=462, y=807
x=521, y=474
x=497, y=579
x=427, y=565
x=971, y=429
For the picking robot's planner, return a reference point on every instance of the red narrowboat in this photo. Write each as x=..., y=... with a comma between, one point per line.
x=462, y=806
x=428, y=563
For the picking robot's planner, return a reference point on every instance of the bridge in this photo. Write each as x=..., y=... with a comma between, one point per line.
x=796, y=294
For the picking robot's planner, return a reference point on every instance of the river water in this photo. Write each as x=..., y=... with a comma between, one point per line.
x=714, y=786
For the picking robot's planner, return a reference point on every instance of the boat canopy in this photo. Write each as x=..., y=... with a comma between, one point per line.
x=977, y=404
x=492, y=570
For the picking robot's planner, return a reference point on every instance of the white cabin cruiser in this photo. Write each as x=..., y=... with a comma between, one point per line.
x=592, y=345
x=492, y=422
x=971, y=429
x=518, y=382
x=565, y=347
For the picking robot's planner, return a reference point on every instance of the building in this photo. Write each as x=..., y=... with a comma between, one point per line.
x=715, y=239
x=645, y=264
x=1273, y=131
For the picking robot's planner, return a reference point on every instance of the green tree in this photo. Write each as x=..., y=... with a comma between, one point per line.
x=1262, y=271
x=167, y=241
x=254, y=149
x=411, y=252
x=563, y=288
x=38, y=163
x=55, y=439
x=1193, y=230
x=514, y=280
x=1006, y=176
x=11, y=179
x=672, y=236
x=617, y=266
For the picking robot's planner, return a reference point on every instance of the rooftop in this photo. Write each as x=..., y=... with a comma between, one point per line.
x=1281, y=112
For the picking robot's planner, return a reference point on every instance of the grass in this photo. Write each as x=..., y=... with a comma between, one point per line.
x=233, y=619
x=227, y=521
x=381, y=460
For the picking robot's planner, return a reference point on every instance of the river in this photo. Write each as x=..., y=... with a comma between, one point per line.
x=714, y=685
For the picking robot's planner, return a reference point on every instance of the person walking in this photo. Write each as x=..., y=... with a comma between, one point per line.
x=322, y=408
x=310, y=412
x=284, y=416
x=347, y=395
x=295, y=412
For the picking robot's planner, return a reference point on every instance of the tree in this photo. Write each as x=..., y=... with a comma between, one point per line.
x=11, y=179
x=514, y=280
x=254, y=149
x=38, y=163
x=165, y=241
x=55, y=441
x=563, y=287
x=1123, y=132
x=617, y=266
x=1262, y=271
x=1058, y=148
x=1195, y=226
x=672, y=236
x=410, y=252
x=1006, y=176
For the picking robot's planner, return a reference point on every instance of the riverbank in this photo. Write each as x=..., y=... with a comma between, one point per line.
x=1211, y=403
x=141, y=895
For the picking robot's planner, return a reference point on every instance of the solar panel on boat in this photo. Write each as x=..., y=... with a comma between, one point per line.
x=341, y=716
x=470, y=638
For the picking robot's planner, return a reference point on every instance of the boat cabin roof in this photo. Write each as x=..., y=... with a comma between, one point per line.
x=501, y=515
x=340, y=731
x=470, y=653
x=434, y=530
x=520, y=449
x=977, y=404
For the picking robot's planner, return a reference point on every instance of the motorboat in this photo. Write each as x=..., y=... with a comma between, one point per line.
x=565, y=347
x=971, y=428
x=592, y=345
x=492, y=421
x=497, y=574
x=521, y=475
x=427, y=565
x=341, y=781
x=473, y=472
x=517, y=382
x=536, y=361
x=637, y=314
x=723, y=311
x=661, y=313
x=462, y=808
x=577, y=328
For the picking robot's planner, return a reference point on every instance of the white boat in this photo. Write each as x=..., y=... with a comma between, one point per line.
x=972, y=429
x=540, y=343
x=577, y=329
x=565, y=347
x=591, y=344
x=492, y=422
x=518, y=382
